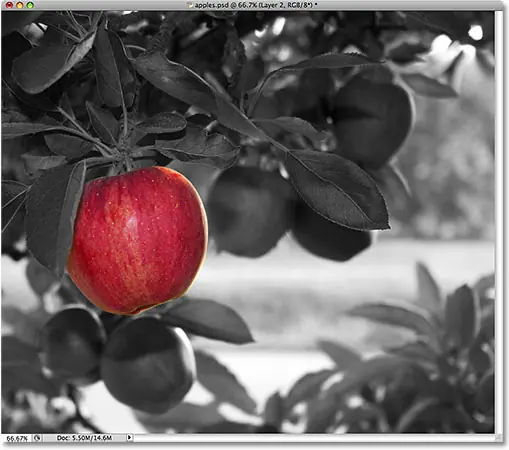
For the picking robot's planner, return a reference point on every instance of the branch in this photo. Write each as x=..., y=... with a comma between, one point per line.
x=163, y=38
x=78, y=416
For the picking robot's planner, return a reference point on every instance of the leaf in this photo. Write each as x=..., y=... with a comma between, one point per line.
x=223, y=384
x=353, y=417
x=37, y=69
x=295, y=125
x=274, y=411
x=407, y=52
x=342, y=356
x=16, y=352
x=25, y=325
x=428, y=87
x=391, y=181
x=115, y=79
x=104, y=123
x=481, y=359
x=327, y=61
x=13, y=198
x=14, y=45
x=306, y=388
x=366, y=372
x=412, y=414
x=21, y=368
x=182, y=417
x=182, y=83
x=429, y=294
x=25, y=377
x=16, y=129
x=417, y=351
x=67, y=145
x=486, y=394
x=209, y=319
x=404, y=315
x=462, y=318
x=39, y=278
x=52, y=204
x=197, y=145
x=322, y=413
x=164, y=122
x=35, y=162
x=337, y=189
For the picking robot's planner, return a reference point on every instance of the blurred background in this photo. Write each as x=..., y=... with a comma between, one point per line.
x=292, y=299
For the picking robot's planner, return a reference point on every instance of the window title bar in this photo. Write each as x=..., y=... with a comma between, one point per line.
x=250, y=5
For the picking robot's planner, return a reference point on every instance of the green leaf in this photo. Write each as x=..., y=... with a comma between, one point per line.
x=295, y=125
x=164, y=122
x=306, y=388
x=412, y=414
x=104, y=123
x=429, y=294
x=52, y=204
x=398, y=315
x=486, y=394
x=341, y=356
x=37, y=69
x=223, y=384
x=115, y=78
x=13, y=198
x=462, y=318
x=199, y=146
x=67, y=145
x=183, y=84
x=209, y=319
x=337, y=189
x=274, y=411
x=428, y=87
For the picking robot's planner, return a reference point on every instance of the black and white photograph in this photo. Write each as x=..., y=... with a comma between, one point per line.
x=249, y=218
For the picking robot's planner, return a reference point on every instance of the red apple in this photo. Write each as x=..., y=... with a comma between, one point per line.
x=140, y=239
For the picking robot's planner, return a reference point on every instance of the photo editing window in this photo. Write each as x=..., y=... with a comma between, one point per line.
x=253, y=221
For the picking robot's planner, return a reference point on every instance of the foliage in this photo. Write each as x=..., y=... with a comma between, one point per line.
x=91, y=94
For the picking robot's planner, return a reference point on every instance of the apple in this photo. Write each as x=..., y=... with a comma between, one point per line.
x=148, y=365
x=249, y=210
x=372, y=121
x=71, y=343
x=326, y=239
x=139, y=240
